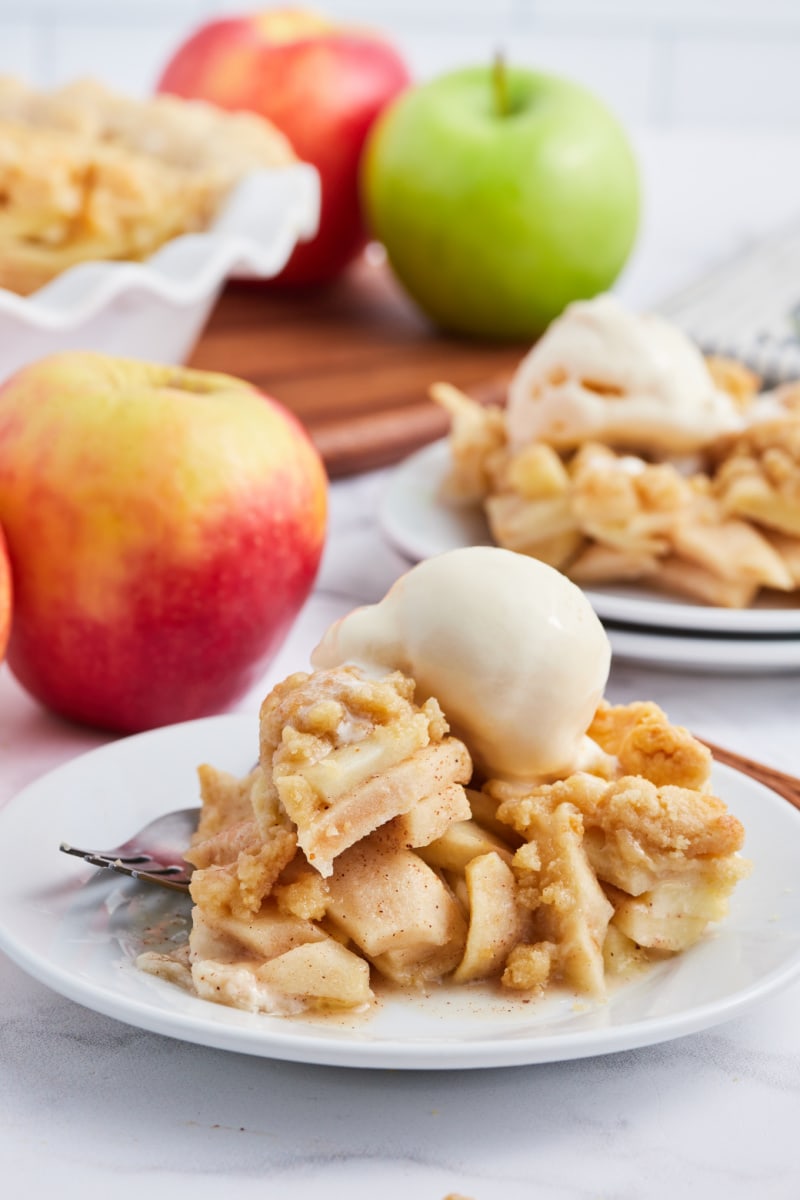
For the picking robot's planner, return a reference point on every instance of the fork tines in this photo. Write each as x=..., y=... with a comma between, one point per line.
x=138, y=866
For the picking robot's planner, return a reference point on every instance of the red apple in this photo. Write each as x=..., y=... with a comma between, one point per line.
x=322, y=84
x=5, y=596
x=164, y=527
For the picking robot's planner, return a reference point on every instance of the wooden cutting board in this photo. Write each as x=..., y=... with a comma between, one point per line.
x=354, y=361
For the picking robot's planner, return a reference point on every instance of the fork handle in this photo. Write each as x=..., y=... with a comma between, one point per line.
x=779, y=781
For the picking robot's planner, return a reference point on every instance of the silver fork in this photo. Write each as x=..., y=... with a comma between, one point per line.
x=154, y=854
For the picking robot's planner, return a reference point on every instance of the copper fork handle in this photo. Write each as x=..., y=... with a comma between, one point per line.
x=785, y=785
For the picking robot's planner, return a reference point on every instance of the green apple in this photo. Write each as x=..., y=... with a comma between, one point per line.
x=500, y=195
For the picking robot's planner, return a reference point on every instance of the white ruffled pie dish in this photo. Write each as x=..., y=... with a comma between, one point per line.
x=156, y=309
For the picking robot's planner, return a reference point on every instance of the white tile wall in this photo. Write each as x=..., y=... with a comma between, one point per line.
x=128, y=55
x=747, y=82
x=715, y=63
x=19, y=47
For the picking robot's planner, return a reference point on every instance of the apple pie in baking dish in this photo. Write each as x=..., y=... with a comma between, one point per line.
x=624, y=455
x=88, y=174
x=481, y=814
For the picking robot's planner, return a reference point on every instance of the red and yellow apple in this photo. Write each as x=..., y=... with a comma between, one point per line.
x=323, y=84
x=164, y=527
x=5, y=596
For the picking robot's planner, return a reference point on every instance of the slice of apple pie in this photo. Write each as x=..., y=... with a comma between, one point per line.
x=556, y=839
x=353, y=852
x=623, y=456
x=603, y=517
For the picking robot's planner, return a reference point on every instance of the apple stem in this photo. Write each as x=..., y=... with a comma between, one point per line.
x=500, y=85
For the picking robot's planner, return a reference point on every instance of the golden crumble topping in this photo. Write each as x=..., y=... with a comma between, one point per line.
x=349, y=753
x=759, y=479
x=734, y=378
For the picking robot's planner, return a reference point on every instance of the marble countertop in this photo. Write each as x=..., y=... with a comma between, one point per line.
x=89, y=1105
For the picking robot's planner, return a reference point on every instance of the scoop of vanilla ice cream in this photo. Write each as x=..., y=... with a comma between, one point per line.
x=509, y=647
x=601, y=373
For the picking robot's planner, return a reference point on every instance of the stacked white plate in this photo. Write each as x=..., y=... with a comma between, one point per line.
x=643, y=625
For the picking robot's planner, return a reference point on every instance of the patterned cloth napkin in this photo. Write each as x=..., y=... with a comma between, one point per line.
x=748, y=307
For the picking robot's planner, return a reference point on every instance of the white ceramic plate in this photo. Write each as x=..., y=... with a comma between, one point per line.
x=157, y=308
x=420, y=525
x=76, y=930
x=706, y=655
